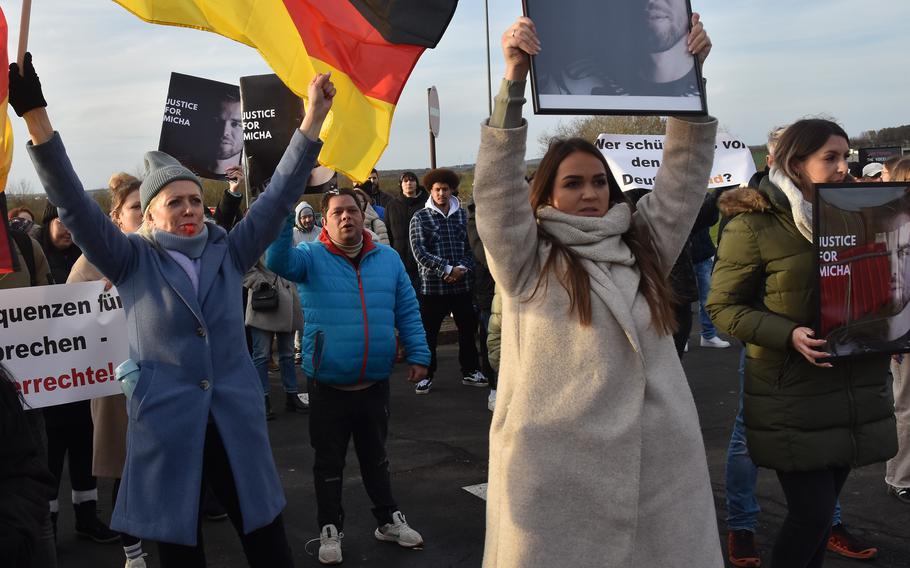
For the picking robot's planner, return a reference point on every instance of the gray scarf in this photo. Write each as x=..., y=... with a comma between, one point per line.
x=192, y=247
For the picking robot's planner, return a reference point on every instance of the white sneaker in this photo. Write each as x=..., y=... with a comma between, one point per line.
x=491, y=400
x=424, y=386
x=715, y=342
x=330, y=545
x=138, y=562
x=399, y=532
x=475, y=379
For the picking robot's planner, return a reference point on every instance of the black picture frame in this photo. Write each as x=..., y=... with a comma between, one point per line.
x=626, y=90
x=866, y=314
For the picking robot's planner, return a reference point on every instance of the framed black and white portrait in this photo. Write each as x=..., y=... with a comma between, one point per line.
x=614, y=57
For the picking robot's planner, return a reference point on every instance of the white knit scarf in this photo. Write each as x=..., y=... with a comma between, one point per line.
x=801, y=209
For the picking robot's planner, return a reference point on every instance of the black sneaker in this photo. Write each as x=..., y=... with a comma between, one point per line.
x=89, y=526
x=741, y=549
x=296, y=402
x=424, y=386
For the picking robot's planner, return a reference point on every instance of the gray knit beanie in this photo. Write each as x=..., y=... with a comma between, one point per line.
x=160, y=170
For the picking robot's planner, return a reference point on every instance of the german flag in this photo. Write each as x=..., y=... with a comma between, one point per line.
x=370, y=46
x=6, y=148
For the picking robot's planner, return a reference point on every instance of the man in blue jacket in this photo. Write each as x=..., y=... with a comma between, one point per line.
x=355, y=293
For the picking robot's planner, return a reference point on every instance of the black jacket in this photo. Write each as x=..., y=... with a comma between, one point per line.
x=60, y=261
x=398, y=213
x=484, y=286
x=25, y=482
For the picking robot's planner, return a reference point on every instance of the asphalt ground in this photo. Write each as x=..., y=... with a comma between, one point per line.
x=438, y=445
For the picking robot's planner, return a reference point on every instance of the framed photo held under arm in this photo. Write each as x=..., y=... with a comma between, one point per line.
x=614, y=57
x=861, y=236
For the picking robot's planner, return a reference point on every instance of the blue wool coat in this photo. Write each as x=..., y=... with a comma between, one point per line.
x=352, y=309
x=190, y=348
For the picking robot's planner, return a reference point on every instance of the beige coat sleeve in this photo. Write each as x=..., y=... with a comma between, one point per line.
x=505, y=221
x=494, y=332
x=669, y=211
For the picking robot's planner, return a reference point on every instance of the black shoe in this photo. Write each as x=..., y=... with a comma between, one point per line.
x=293, y=403
x=902, y=494
x=741, y=549
x=89, y=526
x=269, y=413
x=54, y=524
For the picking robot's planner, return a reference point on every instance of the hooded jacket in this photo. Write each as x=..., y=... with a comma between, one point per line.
x=301, y=235
x=798, y=417
x=439, y=241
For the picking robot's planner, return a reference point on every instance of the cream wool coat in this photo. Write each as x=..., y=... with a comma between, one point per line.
x=596, y=456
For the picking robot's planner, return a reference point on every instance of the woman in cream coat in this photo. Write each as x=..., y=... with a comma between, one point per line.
x=596, y=456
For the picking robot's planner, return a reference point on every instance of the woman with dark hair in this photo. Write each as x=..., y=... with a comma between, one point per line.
x=809, y=420
x=57, y=244
x=25, y=484
x=195, y=403
x=595, y=438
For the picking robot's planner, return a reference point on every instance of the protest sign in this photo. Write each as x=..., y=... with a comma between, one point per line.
x=862, y=241
x=614, y=58
x=202, y=125
x=635, y=159
x=271, y=113
x=62, y=343
x=880, y=155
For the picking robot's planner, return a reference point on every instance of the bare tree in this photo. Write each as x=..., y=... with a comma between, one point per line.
x=590, y=127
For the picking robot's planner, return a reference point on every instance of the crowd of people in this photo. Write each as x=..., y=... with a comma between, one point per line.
x=524, y=268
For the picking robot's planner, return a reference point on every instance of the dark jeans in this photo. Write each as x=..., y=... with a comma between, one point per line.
x=811, y=496
x=69, y=431
x=335, y=417
x=434, y=309
x=683, y=327
x=265, y=547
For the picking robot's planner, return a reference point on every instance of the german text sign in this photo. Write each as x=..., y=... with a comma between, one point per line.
x=62, y=343
x=635, y=159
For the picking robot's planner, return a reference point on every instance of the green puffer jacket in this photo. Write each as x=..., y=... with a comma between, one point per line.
x=798, y=417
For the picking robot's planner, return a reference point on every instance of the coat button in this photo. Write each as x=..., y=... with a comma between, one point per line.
x=200, y=331
x=204, y=384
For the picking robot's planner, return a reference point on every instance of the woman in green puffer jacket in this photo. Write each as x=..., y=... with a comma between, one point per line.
x=810, y=421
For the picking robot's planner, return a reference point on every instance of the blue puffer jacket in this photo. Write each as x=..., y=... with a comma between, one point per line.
x=351, y=310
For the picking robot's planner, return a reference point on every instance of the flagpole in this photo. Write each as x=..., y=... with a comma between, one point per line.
x=23, y=34
x=486, y=20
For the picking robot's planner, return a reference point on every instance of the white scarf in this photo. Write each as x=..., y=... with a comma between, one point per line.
x=801, y=209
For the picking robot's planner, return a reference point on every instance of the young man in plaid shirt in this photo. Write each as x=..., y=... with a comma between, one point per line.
x=439, y=240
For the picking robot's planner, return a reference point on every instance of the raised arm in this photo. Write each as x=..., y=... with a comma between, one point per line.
x=284, y=259
x=505, y=221
x=102, y=243
x=669, y=211
x=258, y=229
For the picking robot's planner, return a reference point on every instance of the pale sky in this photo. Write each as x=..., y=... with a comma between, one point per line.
x=105, y=75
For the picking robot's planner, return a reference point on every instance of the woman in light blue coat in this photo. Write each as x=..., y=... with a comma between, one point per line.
x=196, y=410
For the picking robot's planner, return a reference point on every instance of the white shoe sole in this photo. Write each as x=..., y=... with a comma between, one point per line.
x=425, y=391
x=384, y=538
x=468, y=383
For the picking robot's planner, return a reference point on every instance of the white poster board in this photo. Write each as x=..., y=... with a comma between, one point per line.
x=62, y=343
x=635, y=159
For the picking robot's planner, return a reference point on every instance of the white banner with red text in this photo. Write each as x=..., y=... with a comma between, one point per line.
x=62, y=343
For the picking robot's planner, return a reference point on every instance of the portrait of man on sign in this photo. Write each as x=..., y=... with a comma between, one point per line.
x=615, y=57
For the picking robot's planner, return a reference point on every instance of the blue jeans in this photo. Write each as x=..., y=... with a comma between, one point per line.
x=741, y=474
x=703, y=278
x=262, y=344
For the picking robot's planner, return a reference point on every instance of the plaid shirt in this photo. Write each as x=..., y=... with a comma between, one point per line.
x=438, y=241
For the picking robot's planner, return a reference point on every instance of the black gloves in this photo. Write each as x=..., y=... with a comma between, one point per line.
x=25, y=91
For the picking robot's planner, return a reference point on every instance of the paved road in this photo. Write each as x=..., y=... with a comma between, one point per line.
x=438, y=445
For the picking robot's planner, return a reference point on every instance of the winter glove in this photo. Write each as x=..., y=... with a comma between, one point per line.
x=25, y=91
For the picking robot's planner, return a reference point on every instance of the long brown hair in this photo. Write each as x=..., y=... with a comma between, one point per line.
x=799, y=141
x=576, y=280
